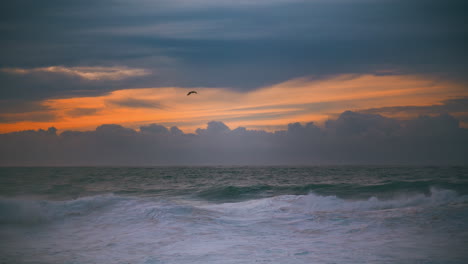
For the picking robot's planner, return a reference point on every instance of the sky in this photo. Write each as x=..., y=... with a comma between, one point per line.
x=89, y=68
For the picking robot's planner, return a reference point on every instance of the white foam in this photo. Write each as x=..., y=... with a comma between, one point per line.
x=311, y=203
x=283, y=229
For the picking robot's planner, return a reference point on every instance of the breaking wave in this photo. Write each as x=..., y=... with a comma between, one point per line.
x=390, y=189
x=30, y=212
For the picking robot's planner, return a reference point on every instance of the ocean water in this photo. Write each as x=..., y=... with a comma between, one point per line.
x=205, y=215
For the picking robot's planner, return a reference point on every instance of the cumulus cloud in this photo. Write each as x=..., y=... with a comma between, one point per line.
x=353, y=138
x=154, y=129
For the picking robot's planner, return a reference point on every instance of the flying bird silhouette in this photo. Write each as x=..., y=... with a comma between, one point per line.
x=191, y=92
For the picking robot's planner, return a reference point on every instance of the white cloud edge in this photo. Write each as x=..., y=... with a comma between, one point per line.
x=90, y=73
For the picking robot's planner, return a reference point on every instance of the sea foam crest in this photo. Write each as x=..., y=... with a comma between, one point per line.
x=316, y=203
x=29, y=212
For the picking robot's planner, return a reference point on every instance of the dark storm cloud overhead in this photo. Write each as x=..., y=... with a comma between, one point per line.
x=242, y=45
x=353, y=138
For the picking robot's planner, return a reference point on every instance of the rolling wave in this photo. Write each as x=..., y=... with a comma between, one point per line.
x=347, y=191
x=31, y=212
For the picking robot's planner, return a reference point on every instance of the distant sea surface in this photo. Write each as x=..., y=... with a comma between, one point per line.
x=343, y=214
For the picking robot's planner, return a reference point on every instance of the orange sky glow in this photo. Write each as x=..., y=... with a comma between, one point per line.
x=269, y=108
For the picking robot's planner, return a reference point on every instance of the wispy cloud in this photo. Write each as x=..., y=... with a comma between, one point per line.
x=202, y=4
x=35, y=117
x=458, y=105
x=299, y=100
x=78, y=112
x=87, y=73
x=135, y=103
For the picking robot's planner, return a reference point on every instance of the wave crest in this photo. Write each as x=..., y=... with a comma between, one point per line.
x=24, y=211
x=312, y=202
x=31, y=212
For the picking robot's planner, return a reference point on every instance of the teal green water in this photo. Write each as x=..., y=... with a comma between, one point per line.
x=223, y=183
x=334, y=214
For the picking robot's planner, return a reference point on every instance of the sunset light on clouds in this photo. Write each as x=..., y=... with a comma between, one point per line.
x=233, y=131
x=269, y=108
x=87, y=73
x=265, y=66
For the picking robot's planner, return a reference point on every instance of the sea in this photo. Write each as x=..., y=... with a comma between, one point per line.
x=323, y=214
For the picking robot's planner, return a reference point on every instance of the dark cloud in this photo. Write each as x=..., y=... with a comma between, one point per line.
x=37, y=84
x=154, y=129
x=214, y=128
x=353, y=138
x=459, y=105
x=32, y=116
x=77, y=112
x=21, y=106
x=227, y=43
x=12, y=111
x=136, y=103
x=456, y=107
x=350, y=124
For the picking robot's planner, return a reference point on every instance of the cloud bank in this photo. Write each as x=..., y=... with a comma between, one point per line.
x=353, y=138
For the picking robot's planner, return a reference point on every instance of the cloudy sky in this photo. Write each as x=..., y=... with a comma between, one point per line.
x=258, y=64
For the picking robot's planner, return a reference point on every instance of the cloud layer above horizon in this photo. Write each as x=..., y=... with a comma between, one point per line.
x=353, y=138
x=259, y=64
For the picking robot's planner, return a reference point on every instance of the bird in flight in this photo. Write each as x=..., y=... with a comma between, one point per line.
x=191, y=92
